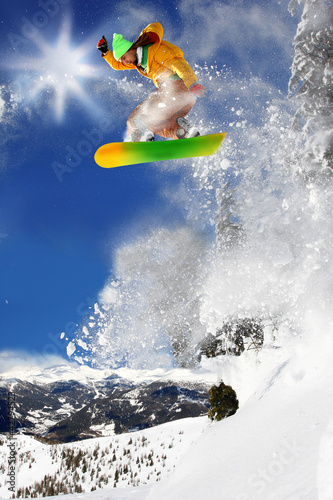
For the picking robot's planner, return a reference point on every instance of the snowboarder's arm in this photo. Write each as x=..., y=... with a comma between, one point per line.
x=180, y=67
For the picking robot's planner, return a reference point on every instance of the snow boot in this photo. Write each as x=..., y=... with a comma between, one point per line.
x=140, y=131
x=185, y=130
x=147, y=136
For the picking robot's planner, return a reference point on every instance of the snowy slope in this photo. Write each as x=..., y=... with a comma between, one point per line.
x=279, y=445
x=140, y=458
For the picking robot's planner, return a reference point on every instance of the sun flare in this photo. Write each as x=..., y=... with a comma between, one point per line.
x=59, y=71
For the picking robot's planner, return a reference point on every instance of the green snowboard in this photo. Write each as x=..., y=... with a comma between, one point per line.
x=118, y=154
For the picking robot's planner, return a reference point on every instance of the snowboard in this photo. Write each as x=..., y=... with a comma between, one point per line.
x=118, y=154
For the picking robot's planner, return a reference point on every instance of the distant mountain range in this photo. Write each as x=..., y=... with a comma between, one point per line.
x=71, y=410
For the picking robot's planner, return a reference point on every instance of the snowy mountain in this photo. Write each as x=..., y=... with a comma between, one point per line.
x=69, y=410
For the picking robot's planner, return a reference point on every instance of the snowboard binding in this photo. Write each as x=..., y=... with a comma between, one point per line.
x=186, y=130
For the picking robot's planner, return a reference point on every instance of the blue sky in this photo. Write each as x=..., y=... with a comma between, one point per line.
x=61, y=216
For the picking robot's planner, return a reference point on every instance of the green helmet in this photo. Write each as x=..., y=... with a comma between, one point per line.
x=120, y=46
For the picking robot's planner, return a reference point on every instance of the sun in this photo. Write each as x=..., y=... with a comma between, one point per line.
x=59, y=71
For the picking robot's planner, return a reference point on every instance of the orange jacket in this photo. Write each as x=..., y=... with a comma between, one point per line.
x=164, y=60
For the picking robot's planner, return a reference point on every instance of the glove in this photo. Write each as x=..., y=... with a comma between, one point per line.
x=103, y=45
x=198, y=90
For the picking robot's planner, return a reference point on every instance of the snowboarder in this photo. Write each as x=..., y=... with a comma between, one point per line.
x=164, y=111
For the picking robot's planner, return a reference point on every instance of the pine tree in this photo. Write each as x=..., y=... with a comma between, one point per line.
x=311, y=83
x=223, y=402
x=116, y=476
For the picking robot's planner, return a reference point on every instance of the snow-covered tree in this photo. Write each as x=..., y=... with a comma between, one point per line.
x=228, y=230
x=311, y=83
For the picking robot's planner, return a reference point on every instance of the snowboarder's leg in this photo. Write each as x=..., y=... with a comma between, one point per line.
x=159, y=113
x=176, y=102
x=137, y=128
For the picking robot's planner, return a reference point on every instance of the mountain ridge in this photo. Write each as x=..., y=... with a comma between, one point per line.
x=71, y=410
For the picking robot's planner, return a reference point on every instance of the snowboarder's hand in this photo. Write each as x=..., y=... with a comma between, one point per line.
x=198, y=90
x=103, y=45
